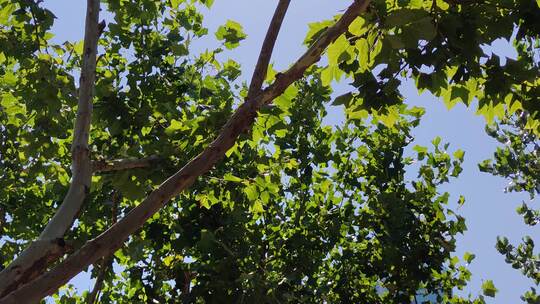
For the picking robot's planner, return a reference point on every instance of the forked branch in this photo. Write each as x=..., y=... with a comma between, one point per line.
x=259, y=74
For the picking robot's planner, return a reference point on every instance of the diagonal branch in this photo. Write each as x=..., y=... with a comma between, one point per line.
x=101, y=166
x=259, y=74
x=34, y=258
x=112, y=239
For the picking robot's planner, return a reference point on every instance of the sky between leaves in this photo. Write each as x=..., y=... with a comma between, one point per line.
x=489, y=211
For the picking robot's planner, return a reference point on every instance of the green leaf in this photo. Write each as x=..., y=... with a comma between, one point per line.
x=176, y=3
x=358, y=115
x=405, y=16
x=6, y=12
x=461, y=200
x=327, y=75
x=284, y=100
x=344, y=99
x=358, y=27
x=231, y=33
x=330, y=73
x=203, y=201
x=468, y=257
x=179, y=50
x=362, y=46
x=207, y=240
x=251, y=192
x=175, y=126
x=422, y=151
x=336, y=49
x=231, y=178
x=426, y=29
x=423, y=29
x=459, y=154
x=10, y=105
x=395, y=41
x=257, y=207
x=265, y=197
x=489, y=289
x=389, y=118
x=78, y=47
x=208, y=3
x=315, y=30
x=417, y=3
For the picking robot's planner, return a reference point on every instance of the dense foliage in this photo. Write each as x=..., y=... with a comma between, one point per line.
x=298, y=211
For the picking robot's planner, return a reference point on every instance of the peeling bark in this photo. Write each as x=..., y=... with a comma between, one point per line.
x=40, y=253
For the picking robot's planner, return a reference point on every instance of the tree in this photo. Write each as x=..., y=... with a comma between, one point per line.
x=519, y=160
x=280, y=185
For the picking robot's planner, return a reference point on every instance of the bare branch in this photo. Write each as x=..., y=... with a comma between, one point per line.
x=112, y=239
x=265, y=55
x=31, y=259
x=101, y=166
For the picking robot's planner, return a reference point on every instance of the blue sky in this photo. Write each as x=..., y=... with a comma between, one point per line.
x=489, y=211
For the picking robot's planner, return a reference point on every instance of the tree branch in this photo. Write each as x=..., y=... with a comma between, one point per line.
x=81, y=169
x=31, y=261
x=112, y=239
x=101, y=166
x=259, y=74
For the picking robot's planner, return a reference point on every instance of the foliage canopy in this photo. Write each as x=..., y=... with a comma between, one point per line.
x=296, y=211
